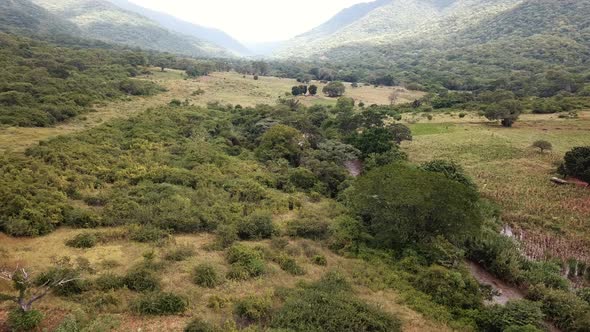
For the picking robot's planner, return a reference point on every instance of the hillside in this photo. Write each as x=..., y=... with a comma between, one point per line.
x=102, y=20
x=172, y=23
x=22, y=16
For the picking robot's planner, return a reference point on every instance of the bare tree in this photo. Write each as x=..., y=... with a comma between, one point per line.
x=393, y=97
x=28, y=292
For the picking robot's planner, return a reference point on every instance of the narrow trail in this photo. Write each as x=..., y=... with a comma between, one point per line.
x=504, y=291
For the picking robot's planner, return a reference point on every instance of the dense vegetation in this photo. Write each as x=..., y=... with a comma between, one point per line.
x=41, y=84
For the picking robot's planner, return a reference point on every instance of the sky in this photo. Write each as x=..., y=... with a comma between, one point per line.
x=253, y=20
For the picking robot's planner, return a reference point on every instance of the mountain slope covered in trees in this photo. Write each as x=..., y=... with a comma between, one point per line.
x=23, y=16
x=172, y=23
x=102, y=20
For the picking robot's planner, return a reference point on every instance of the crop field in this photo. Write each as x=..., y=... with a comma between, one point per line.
x=515, y=175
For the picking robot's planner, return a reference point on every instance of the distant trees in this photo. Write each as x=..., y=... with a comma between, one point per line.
x=334, y=89
x=313, y=90
x=164, y=61
x=299, y=90
x=507, y=111
x=260, y=67
x=543, y=145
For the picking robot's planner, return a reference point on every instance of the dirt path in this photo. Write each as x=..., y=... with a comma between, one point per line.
x=505, y=291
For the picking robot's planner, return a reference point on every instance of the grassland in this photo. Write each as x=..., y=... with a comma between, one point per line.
x=515, y=175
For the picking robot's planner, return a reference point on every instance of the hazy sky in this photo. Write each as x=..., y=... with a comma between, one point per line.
x=253, y=20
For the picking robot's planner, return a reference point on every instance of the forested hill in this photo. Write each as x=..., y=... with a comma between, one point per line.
x=172, y=23
x=102, y=20
x=527, y=47
x=22, y=16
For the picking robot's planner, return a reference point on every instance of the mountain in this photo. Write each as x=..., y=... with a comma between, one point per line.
x=23, y=16
x=104, y=21
x=389, y=21
x=172, y=23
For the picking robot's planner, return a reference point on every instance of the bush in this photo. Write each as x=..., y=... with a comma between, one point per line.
x=141, y=280
x=319, y=260
x=227, y=234
x=83, y=240
x=61, y=272
x=514, y=314
x=246, y=262
x=329, y=306
x=289, y=265
x=147, y=233
x=205, y=275
x=544, y=273
x=449, y=288
x=19, y=320
x=334, y=89
x=308, y=228
x=160, y=303
x=542, y=145
x=561, y=307
x=253, y=309
x=180, y=253
x=199, y=325
x=258, y=225
x=109, y=281
x=577, y=163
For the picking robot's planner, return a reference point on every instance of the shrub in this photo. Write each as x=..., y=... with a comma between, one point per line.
x=205, y=275
x=544, y=273
x=519, y=313
x=60, y=272
x=289, y=265
x=246, y=262
x=334, y=89
x=577, y=163
x=561, y=307
x=227, y=234
x=199, y=325
x=258, y=225
x=109, y=281
x=449, y=288
x=141, y=280
x=83, y=240
x=253, y=309
x=329, y=306
x=160, y=303
x=308, y=228
x=180, y=253
x=147, y=233
x=319, y=260
x=542, y=145
x=20, y=320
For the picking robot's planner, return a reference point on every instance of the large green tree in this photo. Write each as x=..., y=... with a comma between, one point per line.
x=400, y=204
x=281, y=141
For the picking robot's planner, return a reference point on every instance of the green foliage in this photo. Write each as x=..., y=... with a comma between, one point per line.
x=507, y=111
x=319, y=260
x=544, y=273
x=63, y=270
x=253, y=309
x=373, y=140
x=563, y=308
x=450, y=169
x=258, y=225
x=83, y=241
x=577, y=163
x=449, y=288
x=308, y=227
x=289, y=265
x=329, y=306
x=543, y=145
x=180, y=253
x=43, y=84
x=141, y=279
x=205, y=275
x=519, y=313
x=160, y=303
x=280, y=141
x=400, y=132
x=109, y=281
x=19, y=320
x=313, y=90
x=334, y=89
x=148, y=233
x=245, y=262
x=199, y=325
x=401, y=204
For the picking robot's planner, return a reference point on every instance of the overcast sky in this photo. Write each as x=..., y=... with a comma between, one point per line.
x=253, y=20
